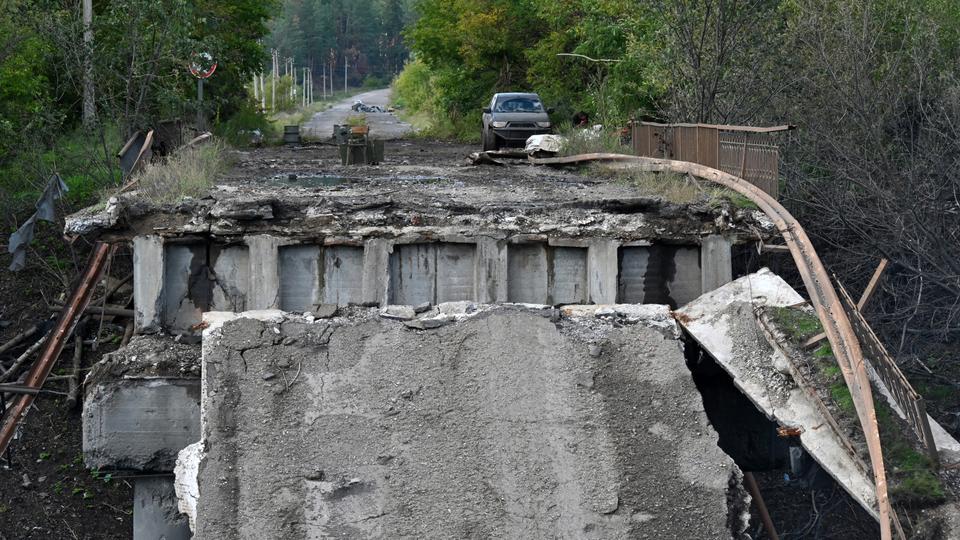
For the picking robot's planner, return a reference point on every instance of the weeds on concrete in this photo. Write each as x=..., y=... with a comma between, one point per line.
x=587, y=141
x=799, y=325
x=190, y=172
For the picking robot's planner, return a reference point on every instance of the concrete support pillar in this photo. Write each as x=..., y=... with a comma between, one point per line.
x=602, y=271
x=148, y=267
x=155, y=514
x=376, y=270
x=716, y=263
x=264, y=259
x=491, y=271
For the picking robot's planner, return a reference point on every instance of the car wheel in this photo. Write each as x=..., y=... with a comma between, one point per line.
x=489, y=140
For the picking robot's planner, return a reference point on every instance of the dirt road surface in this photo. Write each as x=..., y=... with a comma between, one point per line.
x=382, y=125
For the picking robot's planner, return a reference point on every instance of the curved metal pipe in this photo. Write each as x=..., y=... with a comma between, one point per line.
x=846, y=347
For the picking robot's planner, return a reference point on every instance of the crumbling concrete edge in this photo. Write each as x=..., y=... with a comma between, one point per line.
x=766, y=288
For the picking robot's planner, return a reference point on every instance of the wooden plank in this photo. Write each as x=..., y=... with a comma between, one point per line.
x=872, y=285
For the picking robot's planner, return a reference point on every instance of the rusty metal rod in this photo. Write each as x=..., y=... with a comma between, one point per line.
x=55, y=342
x=761, y=506
x=101, y=310
x=823, y=296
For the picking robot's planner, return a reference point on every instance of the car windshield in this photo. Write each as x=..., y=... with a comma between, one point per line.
x=519, y=105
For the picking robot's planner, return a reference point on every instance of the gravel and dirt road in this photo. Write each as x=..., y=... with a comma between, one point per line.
x=382, y=125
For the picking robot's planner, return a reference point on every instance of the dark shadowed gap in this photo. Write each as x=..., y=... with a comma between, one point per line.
x=802, y=499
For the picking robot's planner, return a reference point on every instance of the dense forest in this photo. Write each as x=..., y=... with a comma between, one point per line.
x=325, y=34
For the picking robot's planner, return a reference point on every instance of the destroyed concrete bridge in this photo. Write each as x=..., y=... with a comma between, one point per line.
x=539, y=354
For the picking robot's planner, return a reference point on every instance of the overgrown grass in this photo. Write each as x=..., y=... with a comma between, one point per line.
x=587, y=141
x=189, y=172
x=672, y=187
x=797, y=324
x=913, y=478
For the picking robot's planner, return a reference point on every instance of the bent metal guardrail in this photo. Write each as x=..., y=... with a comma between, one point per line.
x=823, y=296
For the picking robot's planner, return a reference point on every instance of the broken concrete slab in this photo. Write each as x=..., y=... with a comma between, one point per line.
x=500, y=425
x=140, y=424
x=142, y=405
x=724, y=324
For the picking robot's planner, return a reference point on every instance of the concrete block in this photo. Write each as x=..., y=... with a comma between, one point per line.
x=299, y=277
x=413, y=277
x=376, y=272
x=602, y=271
x=231, y=277
x=264, y=292
x=658, y=274
x=187, y=289
x=155, y=513
x=491, y=261
x=456, y=272
x=527, y=273
x=147, y=283
x=140, y=424
x=716, y=262
x=342, y=282
x=568, y=276
x=510, y=424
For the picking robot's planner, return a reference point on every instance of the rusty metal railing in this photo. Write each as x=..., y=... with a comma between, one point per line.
x=750, y=153
x=910, y=402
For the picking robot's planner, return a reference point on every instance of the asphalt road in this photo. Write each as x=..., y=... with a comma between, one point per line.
x=382, y=125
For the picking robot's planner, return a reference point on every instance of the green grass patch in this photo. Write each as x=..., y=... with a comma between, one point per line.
x=797, y=324
x=672, y=187
x=587, y=141
x=841, y=396
x=824, y=351
x=741, y=201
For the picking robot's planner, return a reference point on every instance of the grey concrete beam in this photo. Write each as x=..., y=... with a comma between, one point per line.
x=602, y=271
x=299, y=277
x=376, y=270
x=264, y=258
x=342, y=281
x=147, y=283
x=231, y=277
x=716, y=262
x=491, y=263
x=456, y=272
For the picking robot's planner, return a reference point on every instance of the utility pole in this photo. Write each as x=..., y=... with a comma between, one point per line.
x=263, y=94
x=273, y=80
x=89, y=102
x=303, y=97
x=256, y=89
x=344, y=74
x=323, y=81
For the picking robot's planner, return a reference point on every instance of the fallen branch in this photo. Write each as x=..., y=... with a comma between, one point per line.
x=73, y=381
x=22, y=360
x=18, y=338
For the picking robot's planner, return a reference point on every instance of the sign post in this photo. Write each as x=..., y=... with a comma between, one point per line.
x=202, y=66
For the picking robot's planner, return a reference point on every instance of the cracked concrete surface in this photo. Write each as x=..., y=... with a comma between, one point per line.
x=506, y=423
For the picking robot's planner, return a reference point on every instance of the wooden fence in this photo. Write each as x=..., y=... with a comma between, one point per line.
x=910, y=402
x=748, y=152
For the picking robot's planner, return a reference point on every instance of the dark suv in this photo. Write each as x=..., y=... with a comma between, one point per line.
x=513, y=117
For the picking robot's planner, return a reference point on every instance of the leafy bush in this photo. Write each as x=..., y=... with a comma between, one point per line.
x=237, y=131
